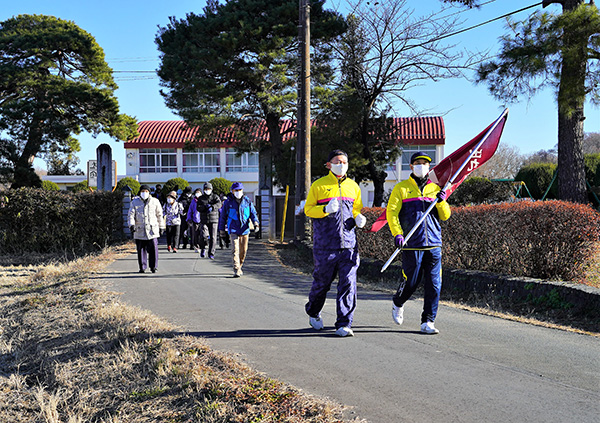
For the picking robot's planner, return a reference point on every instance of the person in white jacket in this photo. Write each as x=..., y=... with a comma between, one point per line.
x=146, y=224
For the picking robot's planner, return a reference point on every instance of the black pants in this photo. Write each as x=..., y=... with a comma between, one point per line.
x=194, y=231
x=183, y=239
x=208, y=234
x=147, y=250
x=173, y=236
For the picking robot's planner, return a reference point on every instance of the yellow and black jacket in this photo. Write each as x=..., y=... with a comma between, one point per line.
x=333, y=230
x=406, y=206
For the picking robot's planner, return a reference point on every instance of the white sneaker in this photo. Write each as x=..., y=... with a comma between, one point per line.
x=344, y=331
x=316, y=322
x=429, y=329
x=397, y=314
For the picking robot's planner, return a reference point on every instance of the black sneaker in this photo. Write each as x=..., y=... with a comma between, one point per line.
x=154, y=269
x=142, y=271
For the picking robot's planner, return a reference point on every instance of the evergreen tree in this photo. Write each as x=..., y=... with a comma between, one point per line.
x=54, y=82
x=237, y=63
x=561, y=51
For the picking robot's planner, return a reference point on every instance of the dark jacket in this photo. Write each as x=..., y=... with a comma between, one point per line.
x=208, y=206
x=185, y=200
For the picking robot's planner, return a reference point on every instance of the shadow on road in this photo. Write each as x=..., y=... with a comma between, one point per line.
x=290, y=333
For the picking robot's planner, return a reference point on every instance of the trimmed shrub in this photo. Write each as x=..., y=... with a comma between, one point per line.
x=34, y=220
x=133, y=185
x=537, y=177
x=82, y=187
x=174, y=184
x=545, y=239
x=221, y=186
x=378, y=245
x=592, y=169
x=50, y=186
x=476, y=190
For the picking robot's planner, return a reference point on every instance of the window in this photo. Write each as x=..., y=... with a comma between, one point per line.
x=158, y=160
x=409, y=150
x=202, y=160
x=246, y=162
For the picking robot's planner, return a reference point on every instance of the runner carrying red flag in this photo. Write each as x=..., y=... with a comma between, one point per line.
x=458, y=165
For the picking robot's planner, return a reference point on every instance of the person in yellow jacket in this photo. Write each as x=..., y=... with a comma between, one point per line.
x=334, y=204
x=422, y=253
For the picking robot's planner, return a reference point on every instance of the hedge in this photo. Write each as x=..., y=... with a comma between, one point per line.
x=35, y=220
x=50, y=186
x=537, y=177
x=544, y=239
x=477, y=190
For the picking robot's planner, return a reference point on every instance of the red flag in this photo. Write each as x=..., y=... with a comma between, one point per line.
x=470, y=156
x=454, y=169
x=379, y=223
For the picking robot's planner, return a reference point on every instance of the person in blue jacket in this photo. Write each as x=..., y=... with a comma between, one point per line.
x=334, y=204
x=237, y=218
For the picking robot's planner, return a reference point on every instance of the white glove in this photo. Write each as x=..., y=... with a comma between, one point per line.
x=332, y=206
x=360, y=220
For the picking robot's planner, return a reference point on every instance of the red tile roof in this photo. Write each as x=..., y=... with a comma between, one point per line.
x=175, y=133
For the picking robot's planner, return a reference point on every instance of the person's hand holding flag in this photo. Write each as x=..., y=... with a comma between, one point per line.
x=399, y=241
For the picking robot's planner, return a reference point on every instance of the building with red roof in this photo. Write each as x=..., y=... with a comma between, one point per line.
x=162, y=151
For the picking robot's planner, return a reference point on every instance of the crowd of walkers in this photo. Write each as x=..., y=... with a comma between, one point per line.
x=334, y=204
x=200, y=220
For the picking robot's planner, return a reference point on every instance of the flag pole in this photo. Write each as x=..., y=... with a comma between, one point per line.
x=448, y=184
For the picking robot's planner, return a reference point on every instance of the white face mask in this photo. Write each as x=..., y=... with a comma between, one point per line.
x=238, y=194
x=144, y=195
x=339, y=169
x=170, y=200
x=421, y=170
x=198, y=194
x=208, y=191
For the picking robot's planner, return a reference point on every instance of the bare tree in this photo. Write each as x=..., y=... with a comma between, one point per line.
x=591, y=143
x=543, y=156
x=387, y=51
x=503, y=165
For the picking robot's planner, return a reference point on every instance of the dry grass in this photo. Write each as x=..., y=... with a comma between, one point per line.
x=298, y=261
x=70, y=353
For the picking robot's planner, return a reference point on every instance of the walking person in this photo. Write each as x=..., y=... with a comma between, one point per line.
x=185, y=199
x=146, y=223
x=334, y=204
x=422, y=253
x=193, y=221
x=236, y=218
x=208, y=206
x=172, y=211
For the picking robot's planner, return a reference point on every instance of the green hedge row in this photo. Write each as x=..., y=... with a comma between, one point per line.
x=40, y=221
x=544, y=239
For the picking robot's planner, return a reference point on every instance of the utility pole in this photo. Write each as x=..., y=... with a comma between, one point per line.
x=303, y=177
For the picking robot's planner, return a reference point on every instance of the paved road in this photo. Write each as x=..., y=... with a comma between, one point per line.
x=478, y=369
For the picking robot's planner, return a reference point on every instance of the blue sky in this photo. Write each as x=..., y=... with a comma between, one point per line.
x=126, y=31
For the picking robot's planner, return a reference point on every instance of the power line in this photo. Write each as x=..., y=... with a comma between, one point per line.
x=472, y=27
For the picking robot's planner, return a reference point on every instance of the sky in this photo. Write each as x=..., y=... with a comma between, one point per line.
x=126, y=31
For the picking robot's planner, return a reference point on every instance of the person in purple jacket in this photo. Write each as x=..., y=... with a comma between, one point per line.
x=193, y=220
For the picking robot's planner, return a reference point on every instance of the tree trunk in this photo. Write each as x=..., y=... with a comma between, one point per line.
x=23, y=173
x=571, y=97
x=377, y=177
